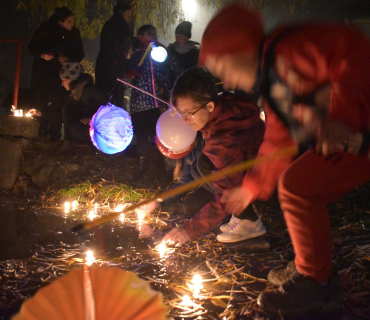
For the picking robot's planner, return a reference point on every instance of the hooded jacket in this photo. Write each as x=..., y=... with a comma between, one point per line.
x=304, y=61
x=233, y=134
x=50, y=37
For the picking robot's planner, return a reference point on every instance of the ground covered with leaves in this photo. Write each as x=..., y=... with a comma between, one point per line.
x=37, y=245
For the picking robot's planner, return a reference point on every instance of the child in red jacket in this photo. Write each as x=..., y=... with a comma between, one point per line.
x=314, y=80
x=232, y=133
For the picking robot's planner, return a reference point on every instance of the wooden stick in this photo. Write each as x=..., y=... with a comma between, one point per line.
x=143, y=91
x=145, y=54
x=243, y=166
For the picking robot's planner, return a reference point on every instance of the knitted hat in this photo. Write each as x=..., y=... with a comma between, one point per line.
x=70, y=70
x=184, y=28
x=235, y=29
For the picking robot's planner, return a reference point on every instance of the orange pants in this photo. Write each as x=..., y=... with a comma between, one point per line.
x=305, y=188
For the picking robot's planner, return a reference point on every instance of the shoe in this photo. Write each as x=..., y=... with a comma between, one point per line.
x=226, y=226
x=277, y=277
x=242, y=230
x=300, y=294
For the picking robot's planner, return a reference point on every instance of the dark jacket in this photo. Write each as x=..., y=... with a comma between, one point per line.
x=50, y=37
x=232, y=135
x=115, y=42
x=165, y=74
x=187, y=54
x=88, y=96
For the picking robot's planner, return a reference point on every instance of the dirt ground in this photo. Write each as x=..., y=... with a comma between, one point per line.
x=37, y=245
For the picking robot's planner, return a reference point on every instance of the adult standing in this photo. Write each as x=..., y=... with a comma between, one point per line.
x=115, y=43
x=183, y=49
x=314, y=80
x=55, y=41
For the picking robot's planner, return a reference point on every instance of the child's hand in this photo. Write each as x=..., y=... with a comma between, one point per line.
x=35, y=112
x=62, y=59
x=177, y=236
x=47, y=56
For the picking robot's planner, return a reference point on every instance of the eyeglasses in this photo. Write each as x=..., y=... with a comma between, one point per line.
x=190, y=115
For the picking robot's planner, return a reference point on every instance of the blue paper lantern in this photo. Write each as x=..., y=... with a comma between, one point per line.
x=111, y=129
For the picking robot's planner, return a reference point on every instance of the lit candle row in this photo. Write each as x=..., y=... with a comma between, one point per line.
x=67, y=206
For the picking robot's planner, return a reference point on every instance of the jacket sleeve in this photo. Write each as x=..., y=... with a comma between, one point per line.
x=77, y=54
x=223, y=152
x=261, y=181
x=37, y=44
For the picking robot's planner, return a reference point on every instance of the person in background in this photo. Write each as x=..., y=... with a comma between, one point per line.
x=314, y=79
x=144, y=109
x=184, y=50
x=55, y=41
x=86, y=99
x=115, y=43
x=59, y=98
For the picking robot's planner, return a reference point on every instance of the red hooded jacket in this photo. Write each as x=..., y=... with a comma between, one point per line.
x=305, y=60
x=233, y=134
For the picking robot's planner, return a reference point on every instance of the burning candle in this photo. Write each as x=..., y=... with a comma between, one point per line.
x=74, y=205
x=197, y=284
x=140, y=217
x=119, y=208
x=89, y=258
x=162, y=249
x=91, y=215
x=18, y=113
x=186, y=301
x=122, y=217
x=96, y=208
x=67, y=207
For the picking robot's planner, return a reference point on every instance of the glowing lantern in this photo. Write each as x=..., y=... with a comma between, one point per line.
x=111, y=129
x=175, y=138
x=116, y=294
x=158, y=54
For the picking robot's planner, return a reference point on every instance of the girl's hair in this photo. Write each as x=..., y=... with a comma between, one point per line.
x=144, y=29
x=62, y=13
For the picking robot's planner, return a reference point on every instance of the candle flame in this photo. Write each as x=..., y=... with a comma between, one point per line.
x=74, y=205
x=89, y=258
x=197, y=284
x=162, y=249
x=119, y=208
x=122, y=217
x=186, y=301
x=67, y=207
x=91, y=215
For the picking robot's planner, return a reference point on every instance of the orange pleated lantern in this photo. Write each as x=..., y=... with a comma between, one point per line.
x=117, y=295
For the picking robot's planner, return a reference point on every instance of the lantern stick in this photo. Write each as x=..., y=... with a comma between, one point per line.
x=145, y=54
x=243, y=166
x=143, y=91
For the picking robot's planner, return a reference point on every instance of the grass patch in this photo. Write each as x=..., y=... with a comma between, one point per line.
x=104, y=192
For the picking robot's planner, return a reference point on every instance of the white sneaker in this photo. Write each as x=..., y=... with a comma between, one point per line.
x=242, y=230
x=226, y=226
